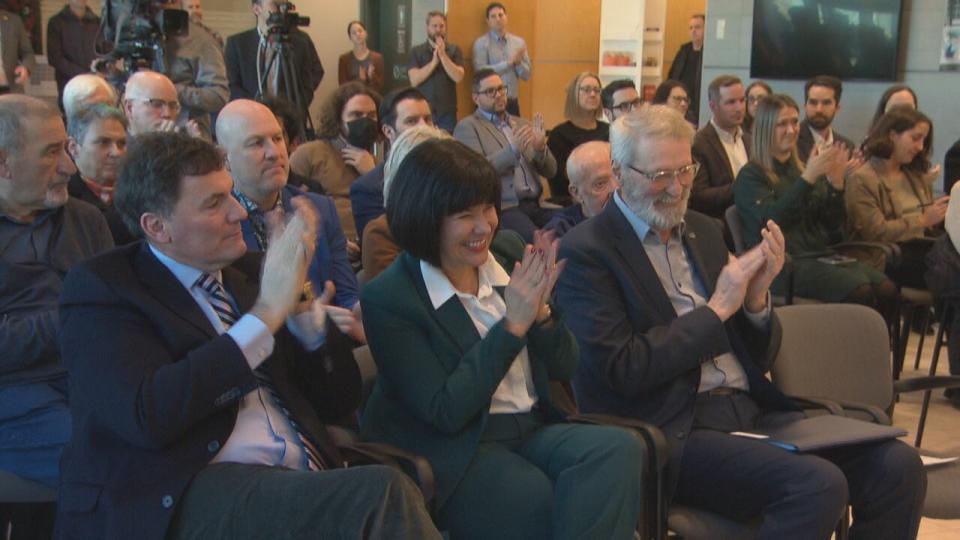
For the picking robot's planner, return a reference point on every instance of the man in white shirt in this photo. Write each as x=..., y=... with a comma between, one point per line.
x=199, y=384
x=720, y=147
x=821, y=103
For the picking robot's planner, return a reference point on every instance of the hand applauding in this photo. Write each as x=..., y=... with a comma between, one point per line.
x=531, y=284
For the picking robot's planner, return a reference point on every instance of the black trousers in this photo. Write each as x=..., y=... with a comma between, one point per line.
x=236, y=501
x=797, y=496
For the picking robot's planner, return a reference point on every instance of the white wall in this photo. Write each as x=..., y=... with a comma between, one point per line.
x=328, y=29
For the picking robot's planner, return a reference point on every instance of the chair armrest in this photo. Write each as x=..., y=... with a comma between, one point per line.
x=417, y=467
x=804, y=402
x=840, y=407
x=651, y=434
x=915, y=384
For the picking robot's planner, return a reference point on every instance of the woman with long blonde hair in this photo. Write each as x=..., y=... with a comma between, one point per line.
x=583, y=109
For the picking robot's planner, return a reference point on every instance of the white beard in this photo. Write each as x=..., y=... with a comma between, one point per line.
x=646, y=209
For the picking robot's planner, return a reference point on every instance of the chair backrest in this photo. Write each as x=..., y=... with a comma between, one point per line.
x=735, y=226
x=835, y=351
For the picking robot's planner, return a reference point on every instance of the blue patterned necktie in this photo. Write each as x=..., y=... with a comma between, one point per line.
x=222, y=304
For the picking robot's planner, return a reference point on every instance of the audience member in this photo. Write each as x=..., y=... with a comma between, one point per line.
x=943, y=280
x=43, y=232
x=720, y=147
x=291, y=122
x=898, y=94
x=687, y=65
x=517, y=149
x=890, y=197
x=821, y=102
x=435, y=68
x=360, y=64
x=252, y=68
x=465, y=343
x=345, y=150
x=620, y=97
x=951, y=166
x=71, y=39
x=756, y=91
x=591, y=185
x=379, y=248
x=257, y=157
x=151, y=104
x=86, y=90
x=198, y=420
x=504, y=53
x=195, y=10
x=401, y=109
x=195, y=65
x=808, y=205
x=687, y=334
x=97, y=143
x=581, y=109
x=673, y=94
x=16, y=54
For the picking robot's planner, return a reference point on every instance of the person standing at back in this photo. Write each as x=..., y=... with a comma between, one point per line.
x=504, y=53
x=435, y=68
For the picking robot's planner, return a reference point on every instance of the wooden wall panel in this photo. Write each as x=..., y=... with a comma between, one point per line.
x=676, y=32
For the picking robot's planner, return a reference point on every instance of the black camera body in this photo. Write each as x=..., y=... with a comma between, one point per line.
x=135, y=31
x=285, y=19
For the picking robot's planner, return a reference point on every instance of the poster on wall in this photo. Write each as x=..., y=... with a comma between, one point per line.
x=950, y=48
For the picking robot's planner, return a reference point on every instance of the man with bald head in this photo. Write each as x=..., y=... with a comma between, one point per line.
x=151, y=104
x=43, y=232
x=591, y=185
x=258, y=162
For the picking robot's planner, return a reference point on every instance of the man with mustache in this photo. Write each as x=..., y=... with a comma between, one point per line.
x=676, y=331
x=97, y=142
x=821, y=102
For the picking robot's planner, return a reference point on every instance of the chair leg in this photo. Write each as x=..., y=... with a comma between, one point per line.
x=843, y=526
x=937, y=347
x=924, y=328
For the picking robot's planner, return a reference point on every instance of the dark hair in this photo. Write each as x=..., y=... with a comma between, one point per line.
x=350, y=25
x=882, y=105
x=826, y=81
x=662, y=94
x=436, y=13
x=153, y=170
x=437, y=179
x=330, y=118
x=899, y=120
x=606, y=95
x=700, y=16
x=478, y=77
x=287, y=115
x=388, y=107
x=723, y=81
x=761, y=84
x=494, y=5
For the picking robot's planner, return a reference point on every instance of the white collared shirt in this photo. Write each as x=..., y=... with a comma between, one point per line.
x=733, y=146
x=262, y=434
x=820, y=141
x=515, y=393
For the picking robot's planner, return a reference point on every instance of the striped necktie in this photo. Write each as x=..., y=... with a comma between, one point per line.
x=223, y=305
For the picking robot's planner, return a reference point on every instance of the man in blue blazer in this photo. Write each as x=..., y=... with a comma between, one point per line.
x=675, y=331
x=198, y=390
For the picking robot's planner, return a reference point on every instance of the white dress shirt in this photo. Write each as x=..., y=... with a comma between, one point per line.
x=733, y=146
x=262, y=434
x=515, y=393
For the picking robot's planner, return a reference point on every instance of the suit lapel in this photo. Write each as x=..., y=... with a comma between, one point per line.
x=162, y=285
x=629, y=246
x=718, y=148
x=491, y=129
x=692, y=245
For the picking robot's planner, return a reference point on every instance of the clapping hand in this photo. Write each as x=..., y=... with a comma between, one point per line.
x=531, y=284
x=773, y=249
x=349, y=321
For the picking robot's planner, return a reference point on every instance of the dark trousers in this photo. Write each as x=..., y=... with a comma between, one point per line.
x=513, y=106
x=237, y=501
x=525, y=218
x=797, y=496
x=533, y=480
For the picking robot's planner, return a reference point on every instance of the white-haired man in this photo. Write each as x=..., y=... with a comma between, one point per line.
x=591, y=185
x=687, y=334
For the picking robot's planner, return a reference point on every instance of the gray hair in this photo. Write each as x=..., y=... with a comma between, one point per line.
x=578, y=164
x=655, y=122
x=81, y=88
x=407, y=141
x=16, y=110
x=79, y=124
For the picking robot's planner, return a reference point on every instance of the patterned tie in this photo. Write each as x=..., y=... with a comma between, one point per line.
x=220, y=301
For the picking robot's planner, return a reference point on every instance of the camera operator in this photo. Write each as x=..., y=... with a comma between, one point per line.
x=248, y=56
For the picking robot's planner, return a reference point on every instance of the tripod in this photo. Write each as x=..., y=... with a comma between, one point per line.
x=287, y=74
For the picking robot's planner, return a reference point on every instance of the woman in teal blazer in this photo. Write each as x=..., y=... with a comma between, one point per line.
x=466, y=345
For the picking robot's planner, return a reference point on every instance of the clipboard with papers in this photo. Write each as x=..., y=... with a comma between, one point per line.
x=823, y=432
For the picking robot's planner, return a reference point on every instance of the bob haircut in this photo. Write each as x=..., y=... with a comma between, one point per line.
x=887, y=94
x=899, y=120
x=437, y=179
x=662, y=94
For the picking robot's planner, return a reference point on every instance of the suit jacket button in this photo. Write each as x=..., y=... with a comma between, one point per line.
x=167, y=501
x=213, y=446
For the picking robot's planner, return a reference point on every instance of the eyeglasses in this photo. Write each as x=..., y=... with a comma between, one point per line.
x=492, y=92
x=628, y=106
x=590, y=89
x=680, y=99
x=159, y=104
x=661, y=178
